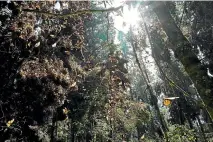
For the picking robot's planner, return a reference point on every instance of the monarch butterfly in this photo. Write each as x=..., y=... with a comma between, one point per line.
x=168, y=101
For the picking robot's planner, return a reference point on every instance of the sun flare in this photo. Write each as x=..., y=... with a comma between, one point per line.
x=131, y=16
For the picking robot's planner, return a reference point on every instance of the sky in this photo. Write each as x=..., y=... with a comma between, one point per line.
x=129, y=17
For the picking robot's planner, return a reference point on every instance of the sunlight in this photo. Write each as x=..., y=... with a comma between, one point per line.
x=131, y=17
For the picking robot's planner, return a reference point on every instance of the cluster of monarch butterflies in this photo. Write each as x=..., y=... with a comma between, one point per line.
x=167, y=101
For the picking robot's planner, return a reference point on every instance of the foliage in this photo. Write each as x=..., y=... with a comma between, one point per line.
x=64, y=79
x=181, y=133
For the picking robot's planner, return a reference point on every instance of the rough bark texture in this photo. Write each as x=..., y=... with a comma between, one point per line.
x=183, y=51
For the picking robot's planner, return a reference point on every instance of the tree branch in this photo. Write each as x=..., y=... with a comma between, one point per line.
x=73, y=14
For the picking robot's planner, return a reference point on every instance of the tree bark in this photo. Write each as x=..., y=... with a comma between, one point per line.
x=183, y=51
x=153, y=98
x=201, y=129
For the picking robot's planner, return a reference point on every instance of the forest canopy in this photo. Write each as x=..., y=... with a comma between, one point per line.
x=106, y=71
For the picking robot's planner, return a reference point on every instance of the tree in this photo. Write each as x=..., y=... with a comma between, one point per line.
x=183, y=51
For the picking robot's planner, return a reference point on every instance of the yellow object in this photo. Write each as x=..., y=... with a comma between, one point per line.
x=10, y=122
x=65, y=111
x=166, y=102
x=73, y=85
x=142, y=137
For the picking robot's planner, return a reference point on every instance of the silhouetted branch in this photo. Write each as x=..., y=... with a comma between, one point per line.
x=73, y=14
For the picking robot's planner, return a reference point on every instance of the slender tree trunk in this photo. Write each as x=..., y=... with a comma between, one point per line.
x=72, y=132
x=183, y=51
x=153, y=100
x=201, y=129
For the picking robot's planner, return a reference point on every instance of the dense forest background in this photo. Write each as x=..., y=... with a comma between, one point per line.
x=69, y=74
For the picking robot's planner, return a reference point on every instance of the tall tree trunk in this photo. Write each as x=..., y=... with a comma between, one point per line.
x=53, y=130
x=201, y=129
x=183, y=51
x=153, y=98
x=72, y=135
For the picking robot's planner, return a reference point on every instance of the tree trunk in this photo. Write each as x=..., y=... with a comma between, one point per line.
x=201, y=129
x=72, y=135
x=183, y=51
x=153, y=98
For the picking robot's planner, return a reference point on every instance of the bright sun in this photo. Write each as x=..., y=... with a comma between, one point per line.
x=130, y=17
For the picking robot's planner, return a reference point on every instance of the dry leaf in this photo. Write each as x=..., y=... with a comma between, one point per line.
x=37, y=44
x=73, y=85
x=10, y=122
x=142, y=137
x=65, y=111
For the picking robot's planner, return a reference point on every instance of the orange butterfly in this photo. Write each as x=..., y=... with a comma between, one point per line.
x=167, y=101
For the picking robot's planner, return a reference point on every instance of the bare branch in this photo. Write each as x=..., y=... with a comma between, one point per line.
x=73, y=14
